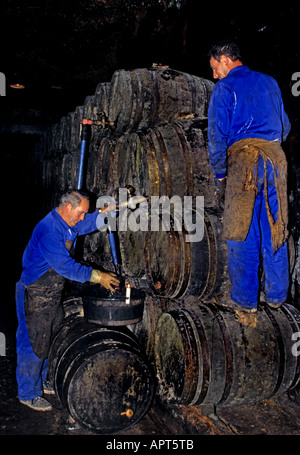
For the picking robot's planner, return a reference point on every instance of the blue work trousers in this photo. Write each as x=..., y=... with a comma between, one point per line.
x=31, y=371
x=244, y=258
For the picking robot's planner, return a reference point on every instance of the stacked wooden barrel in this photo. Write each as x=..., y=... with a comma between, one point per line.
x=101, y=375
x=149, y=131
x=145, y=114
x=204, y=355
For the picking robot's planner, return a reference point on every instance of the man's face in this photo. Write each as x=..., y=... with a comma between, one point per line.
x=74, y=215
x=220, y=69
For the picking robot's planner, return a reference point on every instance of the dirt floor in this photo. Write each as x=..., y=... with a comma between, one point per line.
x=275, y=416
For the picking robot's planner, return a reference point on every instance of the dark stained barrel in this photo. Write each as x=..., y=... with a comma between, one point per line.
x=154, y=137
x=97, y=103
x=100, y=375
x=104, y=307
x=75, y=121
x=177, y=268
x=170, y=159
x=205, y=355
x=143, y=98
x=144, y=330
x=100, y=164
x=171, y=264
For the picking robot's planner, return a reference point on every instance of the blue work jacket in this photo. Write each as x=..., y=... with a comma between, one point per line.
x=47, y=248
x=244, y=104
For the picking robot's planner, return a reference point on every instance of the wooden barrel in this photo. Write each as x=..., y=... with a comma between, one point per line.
x=75, y=122
x=100, y=164
x=177, y=268
x=100, y=375
x=52, y=140
x=166, y=259
x=205, y=355
x=166, y=160
x=97, y=103
x=112, y=309
x=144, y=330
x=143, y=98
x=63, y=171
x=63, y=135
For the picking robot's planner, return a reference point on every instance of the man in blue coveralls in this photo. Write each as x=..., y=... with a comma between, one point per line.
x=246, y=125
x=47, y=261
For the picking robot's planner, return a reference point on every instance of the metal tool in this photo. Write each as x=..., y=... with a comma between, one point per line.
x=84, y=138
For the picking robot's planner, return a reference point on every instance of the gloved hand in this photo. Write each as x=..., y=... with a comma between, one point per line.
x=219, y=194
x=106, y=279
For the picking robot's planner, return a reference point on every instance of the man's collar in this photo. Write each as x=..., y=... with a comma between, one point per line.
x=236, y=68
x=60, y=219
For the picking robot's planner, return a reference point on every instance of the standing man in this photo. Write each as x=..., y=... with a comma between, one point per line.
x=47, y=261
x=246, y=124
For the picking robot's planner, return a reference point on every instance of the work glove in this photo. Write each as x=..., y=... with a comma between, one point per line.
x=219, y=194
x=106, y=279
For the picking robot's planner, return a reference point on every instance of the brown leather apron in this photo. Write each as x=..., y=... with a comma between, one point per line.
x=43, y=310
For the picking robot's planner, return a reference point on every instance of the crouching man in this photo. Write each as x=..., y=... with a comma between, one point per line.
x=47, y=261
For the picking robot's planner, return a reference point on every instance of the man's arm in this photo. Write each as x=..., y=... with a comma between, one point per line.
x=58, y=257
x=218, y=130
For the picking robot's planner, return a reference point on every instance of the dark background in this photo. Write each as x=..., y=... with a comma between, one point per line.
x=61, y=50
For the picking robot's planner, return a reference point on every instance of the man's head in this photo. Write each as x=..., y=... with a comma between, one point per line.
x=73, y=206
x=223, y=57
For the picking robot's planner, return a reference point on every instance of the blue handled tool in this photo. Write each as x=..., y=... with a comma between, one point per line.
x=84, y=138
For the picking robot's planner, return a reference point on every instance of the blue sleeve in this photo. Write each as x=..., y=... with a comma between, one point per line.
x=92, y=222
x=219, y=129
x=88, y=225
x=58, y=257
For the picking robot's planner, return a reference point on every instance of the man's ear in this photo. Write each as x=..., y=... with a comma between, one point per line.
x=225, y=60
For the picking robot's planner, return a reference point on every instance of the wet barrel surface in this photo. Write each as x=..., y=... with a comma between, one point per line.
x=100, y=375
x=205, y=355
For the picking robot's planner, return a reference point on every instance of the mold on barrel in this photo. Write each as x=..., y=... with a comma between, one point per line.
x=142, y=98
x=205, y=355
x=100, y=375
x=107, y=308
x=154, y=137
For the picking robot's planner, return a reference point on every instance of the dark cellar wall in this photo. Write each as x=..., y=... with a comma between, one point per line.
x=75, y=45
x=20, y=209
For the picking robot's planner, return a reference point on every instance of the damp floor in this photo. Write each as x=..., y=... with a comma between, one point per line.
x=275, y=416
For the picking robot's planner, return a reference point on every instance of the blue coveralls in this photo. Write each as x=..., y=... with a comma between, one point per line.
x=46, y=250
x=248, y=104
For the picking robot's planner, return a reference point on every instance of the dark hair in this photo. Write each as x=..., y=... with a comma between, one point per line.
x=227, y=48
x=73, y=197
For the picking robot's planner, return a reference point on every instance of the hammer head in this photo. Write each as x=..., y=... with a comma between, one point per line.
x=132, y=199
x=130, y=190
